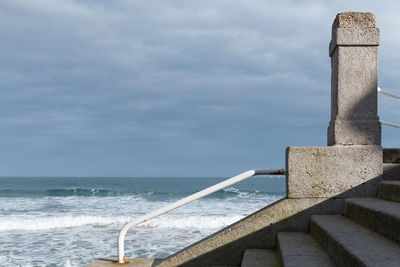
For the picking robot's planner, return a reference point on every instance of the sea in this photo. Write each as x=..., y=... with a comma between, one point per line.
x=71, y=221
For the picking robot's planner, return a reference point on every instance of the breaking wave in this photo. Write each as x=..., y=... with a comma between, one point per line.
x=35, y=223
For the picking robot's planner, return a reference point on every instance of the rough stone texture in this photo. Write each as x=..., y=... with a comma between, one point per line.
x=260, y=258
x=354, y=63
x=354, y=20
x=350, y=132
x=258, y=230
x=391, y=171
x=113, y=262
x=391, y=155
x=350, y=244
x=354, y=37
x=301, y=250
x=354, y=94
x=389, y=190
x=378, y=215
x=336, y=171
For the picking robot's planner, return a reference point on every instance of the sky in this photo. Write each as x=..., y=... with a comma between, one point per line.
x=172, y=88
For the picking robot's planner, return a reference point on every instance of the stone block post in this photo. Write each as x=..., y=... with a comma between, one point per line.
x=351, y=164
x=354, y=57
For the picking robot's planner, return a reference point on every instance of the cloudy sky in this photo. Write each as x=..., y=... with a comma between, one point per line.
x=172, y=88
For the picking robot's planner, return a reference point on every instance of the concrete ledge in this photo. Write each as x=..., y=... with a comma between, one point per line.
x=335, y=171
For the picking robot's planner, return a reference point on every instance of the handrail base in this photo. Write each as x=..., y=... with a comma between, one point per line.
x=113, y=262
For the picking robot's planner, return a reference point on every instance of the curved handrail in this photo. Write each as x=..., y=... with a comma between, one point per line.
x=186, y=200
x=387, y=93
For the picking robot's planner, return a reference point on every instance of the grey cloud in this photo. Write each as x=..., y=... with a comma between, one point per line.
x=168, y=87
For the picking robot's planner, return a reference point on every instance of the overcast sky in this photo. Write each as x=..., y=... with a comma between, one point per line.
x=172, y=88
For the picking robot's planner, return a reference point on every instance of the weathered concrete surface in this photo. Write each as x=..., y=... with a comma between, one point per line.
x=391, y=155
x=354, y=20
x=354, y=132
x=389, y=190
x=354, y=79
x=336, y=171
x=354, y=37
x=353, y=85
x=301, y=250
x=258, y=230
x=260, y=258
x=350, y=244
x=391, y=171
x=113, y=262
x=378, y=215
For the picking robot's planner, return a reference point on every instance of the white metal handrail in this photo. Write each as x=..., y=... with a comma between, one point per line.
x=394, y=96
x=390, y=124
x=387, y=93
x=186, y=200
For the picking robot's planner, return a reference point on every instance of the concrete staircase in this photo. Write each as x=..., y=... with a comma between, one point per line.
x=367, y=235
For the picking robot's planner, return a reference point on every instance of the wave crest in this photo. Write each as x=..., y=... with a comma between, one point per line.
x=48, y=223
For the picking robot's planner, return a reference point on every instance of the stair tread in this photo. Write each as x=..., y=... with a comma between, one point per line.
x=391, y=171
x=391, y=182
x=389, y=190
x=391, y=155
x=363, y=244
x=260, y=258
x=390, y=164
x=300, y=249
x=379, y=205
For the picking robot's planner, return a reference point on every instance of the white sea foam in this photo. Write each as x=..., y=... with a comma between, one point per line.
x=240, y=193
x=47, y=223
x=200, y=222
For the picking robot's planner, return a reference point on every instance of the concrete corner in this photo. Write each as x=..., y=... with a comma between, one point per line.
x=335, y=171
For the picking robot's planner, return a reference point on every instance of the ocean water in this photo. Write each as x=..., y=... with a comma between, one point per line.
x=72, y=221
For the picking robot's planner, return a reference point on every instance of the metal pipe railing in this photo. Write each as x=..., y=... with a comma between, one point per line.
x=390, y=124
x=394, y=96
x=387, y=93
x=186, y=200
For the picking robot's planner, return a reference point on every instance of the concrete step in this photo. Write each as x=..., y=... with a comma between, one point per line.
x=260, y=258
x=351, y=244
x=379, y=215
x=391, y=155
x=301, y=250
x=389, y=190
x=391, y=171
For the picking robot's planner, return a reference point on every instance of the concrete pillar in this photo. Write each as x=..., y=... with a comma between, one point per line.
x=354, y=56
x=351, y=166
